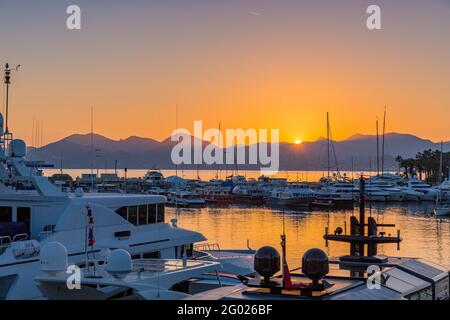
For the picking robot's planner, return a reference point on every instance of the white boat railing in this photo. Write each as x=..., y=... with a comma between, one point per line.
x=161, y=265
x=6, y=241
x=206, y=246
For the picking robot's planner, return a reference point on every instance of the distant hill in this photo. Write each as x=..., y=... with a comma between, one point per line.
x=359, y=151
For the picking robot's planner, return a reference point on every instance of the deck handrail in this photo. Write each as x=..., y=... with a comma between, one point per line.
x=206, y=246
x=6, y=241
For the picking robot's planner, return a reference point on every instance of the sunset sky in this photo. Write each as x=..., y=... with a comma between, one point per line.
x=247, y=63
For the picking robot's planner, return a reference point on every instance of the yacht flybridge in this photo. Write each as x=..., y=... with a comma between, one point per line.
x=34, y=216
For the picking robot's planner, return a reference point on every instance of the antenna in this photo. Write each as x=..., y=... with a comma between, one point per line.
x=176, y=128
x=7, y=134
x=92, y=148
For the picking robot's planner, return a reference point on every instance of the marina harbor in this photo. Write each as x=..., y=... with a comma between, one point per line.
x=207, y=159
x=121, y=237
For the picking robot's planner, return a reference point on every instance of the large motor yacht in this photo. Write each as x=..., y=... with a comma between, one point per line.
x=417, y=190
x=34, y=212
x=185, y=199
x=296, y=195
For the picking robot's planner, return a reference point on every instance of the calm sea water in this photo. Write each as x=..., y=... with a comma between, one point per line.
x=423, y=235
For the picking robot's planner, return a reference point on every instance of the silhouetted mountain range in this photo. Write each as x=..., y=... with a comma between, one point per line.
x=359, y=150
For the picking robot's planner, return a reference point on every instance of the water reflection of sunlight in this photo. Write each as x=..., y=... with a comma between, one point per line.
x=424, y=236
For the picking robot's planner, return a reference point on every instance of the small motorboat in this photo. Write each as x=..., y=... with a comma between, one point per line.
x=442, y=211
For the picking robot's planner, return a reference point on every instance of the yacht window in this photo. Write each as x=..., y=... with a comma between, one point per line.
x=161, y=215
x=151, y=213
x=122, y=212
x=49, y=228
x=24, y=215
x=5, y=214
x=136, y=257
x=142, y=215
x=132, y=214
x=152, y=255
x=190, y=250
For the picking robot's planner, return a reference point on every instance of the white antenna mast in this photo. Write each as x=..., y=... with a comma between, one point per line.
x=176, y=128
x=92, y=148
x=8, y=135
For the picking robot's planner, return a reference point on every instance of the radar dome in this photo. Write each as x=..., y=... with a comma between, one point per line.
x=267, y=262
x=119, y=263
x=53, y=258
x=315, y=264
x=17, y=148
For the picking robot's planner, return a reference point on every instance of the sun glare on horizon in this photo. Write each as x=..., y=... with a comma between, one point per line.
x=298, y=141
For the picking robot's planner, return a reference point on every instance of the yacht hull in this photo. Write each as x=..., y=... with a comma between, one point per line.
x=301, y=201
x=442, y=211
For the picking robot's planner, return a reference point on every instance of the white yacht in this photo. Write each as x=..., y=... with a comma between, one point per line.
x=118, y=277
x=248, y=194
x=444, y=188
x=442, y=211
x=340, y=194
x=298, y=195
x=417, y=190
x=185, y=199
x=153, y=178
x=378, y=191
x=30, y=219
x=33, y=217
x=217, y=194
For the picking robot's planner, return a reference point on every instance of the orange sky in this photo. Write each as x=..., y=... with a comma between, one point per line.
x=283, y=68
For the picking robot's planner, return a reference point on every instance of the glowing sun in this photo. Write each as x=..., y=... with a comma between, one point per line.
x=298, y=141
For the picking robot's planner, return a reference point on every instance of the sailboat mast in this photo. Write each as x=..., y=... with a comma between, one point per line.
x=378, y=150
x=328, y=146
x=442, y=161
x=382, y=145
x=220, y=146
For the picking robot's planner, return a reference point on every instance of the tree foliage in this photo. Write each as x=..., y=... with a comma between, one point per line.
x=426, y=165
